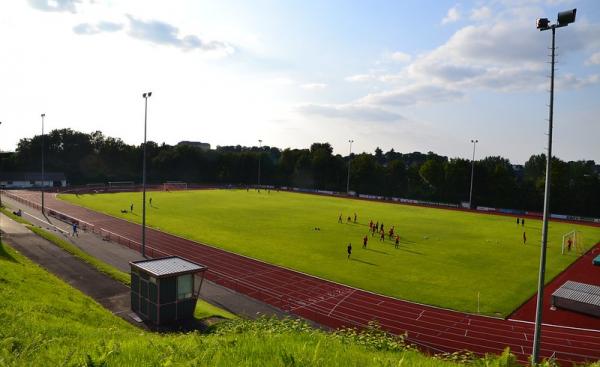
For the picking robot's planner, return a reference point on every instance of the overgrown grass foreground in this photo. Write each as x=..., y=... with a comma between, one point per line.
x=445, y=258
x=203, y=308
x=47, y=323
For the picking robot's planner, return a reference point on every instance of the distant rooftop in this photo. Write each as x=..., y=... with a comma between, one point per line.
x=165, y=266
x=197, y=144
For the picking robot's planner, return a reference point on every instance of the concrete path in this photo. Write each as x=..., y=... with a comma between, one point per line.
x=119, y=256
x=110, y=293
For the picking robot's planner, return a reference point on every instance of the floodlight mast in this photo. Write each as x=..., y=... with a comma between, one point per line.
x=0, y=201
x=145, y=96
x=472, y=172
x=349, y=161
x=543, y=24
x=259, y=156
x=43, y=176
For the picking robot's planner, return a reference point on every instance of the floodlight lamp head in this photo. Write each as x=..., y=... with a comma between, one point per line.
x=566, y=17
x=542, y=23
x=144, y=95
x=149, y=94
x=43, y=115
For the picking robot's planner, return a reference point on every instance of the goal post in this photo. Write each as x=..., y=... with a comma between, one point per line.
x=572, y=241
x=175, y=185
x=121, y=185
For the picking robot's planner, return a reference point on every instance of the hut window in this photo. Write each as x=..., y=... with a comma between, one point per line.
x=184, y=286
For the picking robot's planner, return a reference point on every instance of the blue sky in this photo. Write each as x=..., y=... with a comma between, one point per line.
x=408, y=75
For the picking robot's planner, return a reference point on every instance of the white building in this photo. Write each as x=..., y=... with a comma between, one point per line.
x=22, y=180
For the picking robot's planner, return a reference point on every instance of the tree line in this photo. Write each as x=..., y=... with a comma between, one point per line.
x=87, y=158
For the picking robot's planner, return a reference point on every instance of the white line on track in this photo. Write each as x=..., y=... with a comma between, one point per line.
x=556, y=326
x=342, y=300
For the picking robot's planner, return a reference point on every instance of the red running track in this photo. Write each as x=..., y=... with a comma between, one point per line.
x=582, y=271
x=334, y=305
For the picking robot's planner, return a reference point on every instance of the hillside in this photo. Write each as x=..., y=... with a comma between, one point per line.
x=47, y=323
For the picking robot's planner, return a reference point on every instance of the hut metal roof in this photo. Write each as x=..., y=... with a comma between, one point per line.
x=167, y=266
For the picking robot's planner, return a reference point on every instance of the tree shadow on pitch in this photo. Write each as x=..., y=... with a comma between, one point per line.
x=411, y=251
x=364, y=262
x=378, y=251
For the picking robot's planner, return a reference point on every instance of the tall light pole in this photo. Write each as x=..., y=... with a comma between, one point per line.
x=146, y=96
x=543, y=24
x=0, y=187
x=349, y=161
x=472, y=171
x=259, y=151
x=0, y=207
x=43, y=176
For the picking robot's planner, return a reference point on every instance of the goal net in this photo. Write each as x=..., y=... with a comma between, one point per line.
x=174, y=185
x=98, y=185
x=572, y=242
x=93, y=188
x=121, y=185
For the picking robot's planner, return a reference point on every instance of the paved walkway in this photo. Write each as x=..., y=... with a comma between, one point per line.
x=111, y=294
x=119, y=256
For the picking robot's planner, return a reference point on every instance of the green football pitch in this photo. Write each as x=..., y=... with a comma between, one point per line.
x=445, y=258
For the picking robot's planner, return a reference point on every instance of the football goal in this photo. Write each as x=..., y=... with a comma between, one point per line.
x=572, y=241
x=121, y=185
x=175, y=185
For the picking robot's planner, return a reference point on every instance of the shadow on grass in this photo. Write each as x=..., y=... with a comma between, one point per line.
x=378, y=251
x=5, y=255
x=410, y=251
x=364, y=262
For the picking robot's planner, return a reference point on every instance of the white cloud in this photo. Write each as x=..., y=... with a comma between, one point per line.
x=313, y=86
x=594, y=59
x=281, y=80
x=400, y=56
x=156, y=32
x=89, y=29
x=500, y=55
x=571, y=81
x=353, y=112
x=55, y=5
x=166, y=34
x=453, y=15
x=411, y=95
x=482, y=13
x=360, y=78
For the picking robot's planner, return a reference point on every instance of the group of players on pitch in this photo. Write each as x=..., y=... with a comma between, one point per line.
x=373, y=228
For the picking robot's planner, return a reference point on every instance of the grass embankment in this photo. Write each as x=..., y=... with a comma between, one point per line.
x=203, y=308
x=446, y=257
x=12, y=216
x=47, y=323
